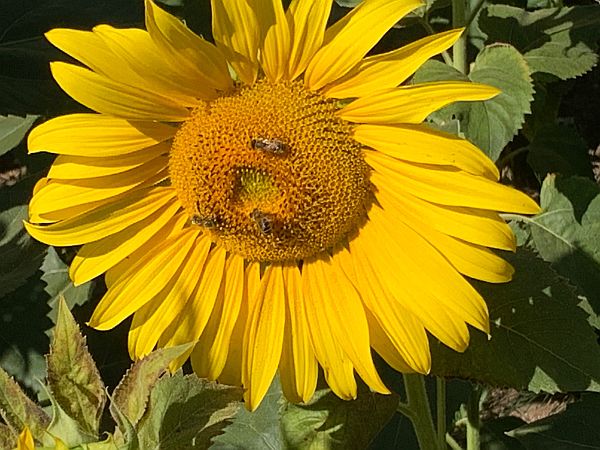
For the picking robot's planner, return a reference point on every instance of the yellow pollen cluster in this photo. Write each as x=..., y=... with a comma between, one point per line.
x=271, y=172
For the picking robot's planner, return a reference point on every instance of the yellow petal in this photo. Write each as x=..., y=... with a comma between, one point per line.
x=422, y=144
x=412, y=104
x=465, y=301
x=336, y=364
x=59, y=444
x=91, y=50
x=474, y=261
x=448, y=187
x=349, y=40
x=110, y=97
x=42, y=182
x=146, y=325
x=153, y=70
x=382, y=344
x=97, y=257
x=103, y=221
x=82, y=199
x=199, y=62
x=152, y=319
x=210, y=354
x=232, y=372
x=298, y=368
x=62, y=194
x=404, y=331
x=25, y=440
x=471, y=260
x=437, y=289
x=478, y=226
x=172, y=229
x=143, y=281
x=69, y=167
x=127, y=56
x=307, y=20
x=264, y=11
x=409, y=292
x=237, y=34
x=276, y=48
x=54, y=216
x=347, y=319
x=263, y=337
x=95, y=135
x=190, y=323
x=390, y=69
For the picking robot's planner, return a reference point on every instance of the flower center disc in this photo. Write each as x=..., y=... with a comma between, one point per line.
x=271, y=172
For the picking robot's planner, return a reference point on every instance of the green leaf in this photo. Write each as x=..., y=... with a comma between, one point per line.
x=18, y=410
x=593, y=316
x=23, y=333
x=434, y=70
x=490, y=124
x=108, y=444
x=330, y=422
x=540, y=338
x=8, y=438
x=72, y=374
x=13, y=130
x=24, y=359
x=566, y=232
x=545, y=107
x=558, y=41
x=131, y=396
x=26, y=84
x=22, y=303
x=559, y=149
x=256, y=430
x=533, y=4
x=64, y=427
x=576, y=428
x=186, y=412
x=125, y=433
x=494, y=434
x=59, y=284
x=21, y=255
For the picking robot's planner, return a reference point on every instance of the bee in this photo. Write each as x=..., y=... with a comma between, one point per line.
x=264, y=222
x=209, y=222
x=275, y=146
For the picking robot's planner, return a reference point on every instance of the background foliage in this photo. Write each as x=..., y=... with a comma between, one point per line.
x=542, y=131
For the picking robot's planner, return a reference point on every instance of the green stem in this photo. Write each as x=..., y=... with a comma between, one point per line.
x=474, y=10
x=516, y=217
x=452, y=443
x=473, y=421
x=459, y=49
x=417, y=410
x=440, y=398
x=445, y=55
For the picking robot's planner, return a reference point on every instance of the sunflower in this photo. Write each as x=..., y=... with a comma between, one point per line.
x=273, y=196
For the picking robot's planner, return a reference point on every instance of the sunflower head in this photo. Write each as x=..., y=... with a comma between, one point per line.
x=271, y=172
x=272, y=196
